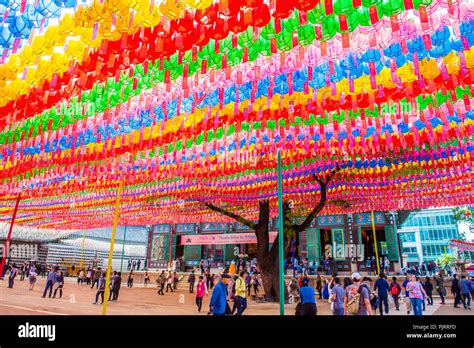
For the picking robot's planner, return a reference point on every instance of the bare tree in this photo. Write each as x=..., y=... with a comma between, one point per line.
x=268, y=257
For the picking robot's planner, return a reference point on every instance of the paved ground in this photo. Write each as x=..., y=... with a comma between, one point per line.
x=140, y=300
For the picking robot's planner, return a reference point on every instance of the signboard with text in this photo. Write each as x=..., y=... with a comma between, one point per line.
x=228, y=238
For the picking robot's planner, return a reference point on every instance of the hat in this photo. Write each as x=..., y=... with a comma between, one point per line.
x=305, y=281
x=225, y=275
x=356, y=276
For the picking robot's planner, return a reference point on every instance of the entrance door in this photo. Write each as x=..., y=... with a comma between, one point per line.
x=251, y=251
x=179, y=247
x=367, y=237
x=326, y=239
x=215, y=253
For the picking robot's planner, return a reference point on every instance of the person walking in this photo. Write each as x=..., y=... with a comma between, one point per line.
x=465, y=290
x=32, y=277
x=117, y=284
x=368, y=266
x=373, y=262
x=80, y=277
x=161, y=280
x=387, y=265
x=208, y=279
x=294, y=294
x=337, y=297
x=130, y=279
x=212, y=280
x=113, y=279
x=255, y=282
x=307, y=298
x=191, y=281
x=100, y=288
x=456, y=291
x=383, y=288
x=200, y=292
x=169, y=282
x=59, y=285
x=218, y=304
x=146, y=278
x=24, y=269
x=395, y=290
x=407, y=294
x=429, y=290
x=319, y=286
x=88, y=276
x=357, y=297
x=416, y=293
x=439, y=279
x=241, y=293
x=248, y=280
x=13, y=274
x=95, y=280
x=50, y=281
x=175, y=281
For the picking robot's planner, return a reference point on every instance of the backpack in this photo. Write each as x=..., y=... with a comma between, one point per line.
x=395, y=291
x=353, y=304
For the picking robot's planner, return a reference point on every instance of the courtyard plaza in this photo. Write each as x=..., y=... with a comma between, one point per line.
x=143, y=300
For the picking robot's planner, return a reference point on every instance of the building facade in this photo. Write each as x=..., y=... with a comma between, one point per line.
x=425, y=235
x=347, y=239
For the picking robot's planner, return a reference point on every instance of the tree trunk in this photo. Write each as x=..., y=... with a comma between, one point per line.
x=270, y=274
x=268, y=260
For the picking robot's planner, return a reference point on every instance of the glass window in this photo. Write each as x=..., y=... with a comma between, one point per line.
x=455, y=234
x=438, y=221
x=451, y=219
x=442, y=220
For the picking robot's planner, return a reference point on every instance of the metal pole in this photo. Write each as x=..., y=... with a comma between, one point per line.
x=375, y=243
x=399, y=247
x=293, y=257
x=280, y=236
x=6, y=250
x=171, y=248
x=82, y=250
x=123, y=247
x=111, y=250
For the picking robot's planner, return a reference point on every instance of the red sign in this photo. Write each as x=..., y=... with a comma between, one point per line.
x=228, y=238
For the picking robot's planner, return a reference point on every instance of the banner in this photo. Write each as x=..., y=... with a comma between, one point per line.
x=230, y=238
x=461, y=245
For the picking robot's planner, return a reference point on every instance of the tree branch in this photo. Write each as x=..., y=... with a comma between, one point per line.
x=323, y=184
x=236, y=217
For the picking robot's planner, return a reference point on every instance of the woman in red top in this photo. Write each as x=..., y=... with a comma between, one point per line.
x=200, y=292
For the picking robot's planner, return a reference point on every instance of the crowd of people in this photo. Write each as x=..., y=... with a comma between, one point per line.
x=235, y=285
x=355, y=295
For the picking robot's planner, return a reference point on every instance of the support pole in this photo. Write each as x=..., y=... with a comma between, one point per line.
x=280, y=237
x=6, y=250
x=293, y=257
x=111, y=250
x=123, y=247
x=82, y=250
x=171, y=248
x=375, y=243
